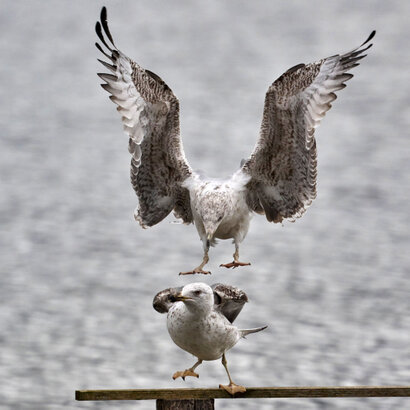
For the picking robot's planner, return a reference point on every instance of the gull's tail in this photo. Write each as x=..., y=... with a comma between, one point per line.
x=246, y=332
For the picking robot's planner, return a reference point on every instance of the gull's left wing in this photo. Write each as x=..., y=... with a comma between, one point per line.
x=229, y=300
x=282, y=167
x=150, y=115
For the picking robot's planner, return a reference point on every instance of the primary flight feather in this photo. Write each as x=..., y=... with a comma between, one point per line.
x=278, y=180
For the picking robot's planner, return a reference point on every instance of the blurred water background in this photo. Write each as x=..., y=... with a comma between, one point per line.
x=78, y=274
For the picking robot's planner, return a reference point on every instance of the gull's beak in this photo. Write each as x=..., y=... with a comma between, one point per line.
x=180, y=297
x=209, y=236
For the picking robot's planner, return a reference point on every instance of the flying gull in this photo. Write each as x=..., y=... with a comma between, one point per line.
x=278, y=180
x=200, y=320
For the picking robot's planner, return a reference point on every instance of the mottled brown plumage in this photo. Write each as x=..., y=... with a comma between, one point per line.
x=228, y=300
x=150, y=114
x=277, y=180
x=283, y=163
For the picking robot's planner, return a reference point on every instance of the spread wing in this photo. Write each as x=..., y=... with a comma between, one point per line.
x=150, y=115
x=229, y=300
x=163, y=300
x=282, y=166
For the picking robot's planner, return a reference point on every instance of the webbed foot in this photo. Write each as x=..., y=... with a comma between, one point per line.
x=234, y=264
x=196, y=270
x=233, y=388
x=185, y=373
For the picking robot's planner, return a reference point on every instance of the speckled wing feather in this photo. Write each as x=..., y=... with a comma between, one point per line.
x=229, y=300
x=283, y=164
x=150, y=115
x=163, y=300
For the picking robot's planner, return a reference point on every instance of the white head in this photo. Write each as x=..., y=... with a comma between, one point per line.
x=197, y=296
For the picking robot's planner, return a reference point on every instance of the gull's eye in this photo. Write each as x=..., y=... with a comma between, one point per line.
x=220, y=218
x=197, y=292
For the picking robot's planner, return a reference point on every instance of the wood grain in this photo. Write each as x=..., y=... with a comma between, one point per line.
x=251, y=392
x=190, y=404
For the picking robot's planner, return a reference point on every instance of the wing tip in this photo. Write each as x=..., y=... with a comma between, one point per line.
x=352, y=58
x=138, y=218
x=103, y=14
x=101, y=26
x=371, y=36
x=104, y=22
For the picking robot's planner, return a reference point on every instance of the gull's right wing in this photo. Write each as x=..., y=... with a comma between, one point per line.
x=150, y=115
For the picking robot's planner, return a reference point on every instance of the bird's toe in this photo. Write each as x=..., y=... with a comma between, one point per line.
x=185, y=373
x=234, y=264
x=194, y=271
x=233, y=388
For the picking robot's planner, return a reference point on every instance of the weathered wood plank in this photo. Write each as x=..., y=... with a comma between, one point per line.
x=251, y=392
x=190, y=404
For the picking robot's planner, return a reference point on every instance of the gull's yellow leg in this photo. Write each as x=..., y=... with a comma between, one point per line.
x=199, y=269
x=188, y=372
x=232, y=388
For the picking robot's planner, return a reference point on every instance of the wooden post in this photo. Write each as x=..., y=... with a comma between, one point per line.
x=192, y=404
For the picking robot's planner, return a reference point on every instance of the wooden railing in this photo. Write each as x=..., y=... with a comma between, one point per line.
x=196, y=399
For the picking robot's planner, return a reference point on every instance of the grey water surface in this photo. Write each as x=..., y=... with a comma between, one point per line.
x=78, y=274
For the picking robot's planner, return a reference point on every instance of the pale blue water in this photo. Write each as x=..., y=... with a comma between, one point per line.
x=78, y=274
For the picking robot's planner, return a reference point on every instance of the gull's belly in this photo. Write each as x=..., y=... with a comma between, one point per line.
x=230, y=227
x=206, y=338
x=236, y=223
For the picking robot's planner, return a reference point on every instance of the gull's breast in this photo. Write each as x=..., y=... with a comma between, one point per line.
x=205, y=337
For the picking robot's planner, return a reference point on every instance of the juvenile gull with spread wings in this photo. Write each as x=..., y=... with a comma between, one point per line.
x=200, y=320
x=278, y=180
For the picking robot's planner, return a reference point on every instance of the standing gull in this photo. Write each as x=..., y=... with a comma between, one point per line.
x=278, y=180
x=200, y=320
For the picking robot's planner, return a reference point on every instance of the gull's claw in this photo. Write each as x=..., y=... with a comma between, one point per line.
x=233, y=388
x=234, y=264
x=185, y=373
x=196, y=270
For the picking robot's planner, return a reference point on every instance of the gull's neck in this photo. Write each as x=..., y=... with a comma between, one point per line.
x=198, y=308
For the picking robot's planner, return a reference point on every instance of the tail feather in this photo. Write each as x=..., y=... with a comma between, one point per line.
x=246, y=332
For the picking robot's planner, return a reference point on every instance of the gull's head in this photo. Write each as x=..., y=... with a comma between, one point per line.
x=196, y=296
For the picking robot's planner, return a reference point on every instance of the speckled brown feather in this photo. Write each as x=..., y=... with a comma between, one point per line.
x=150, y=115
x=283, y=165
x=279, y=178
x=163, y=299
x=229, y=300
